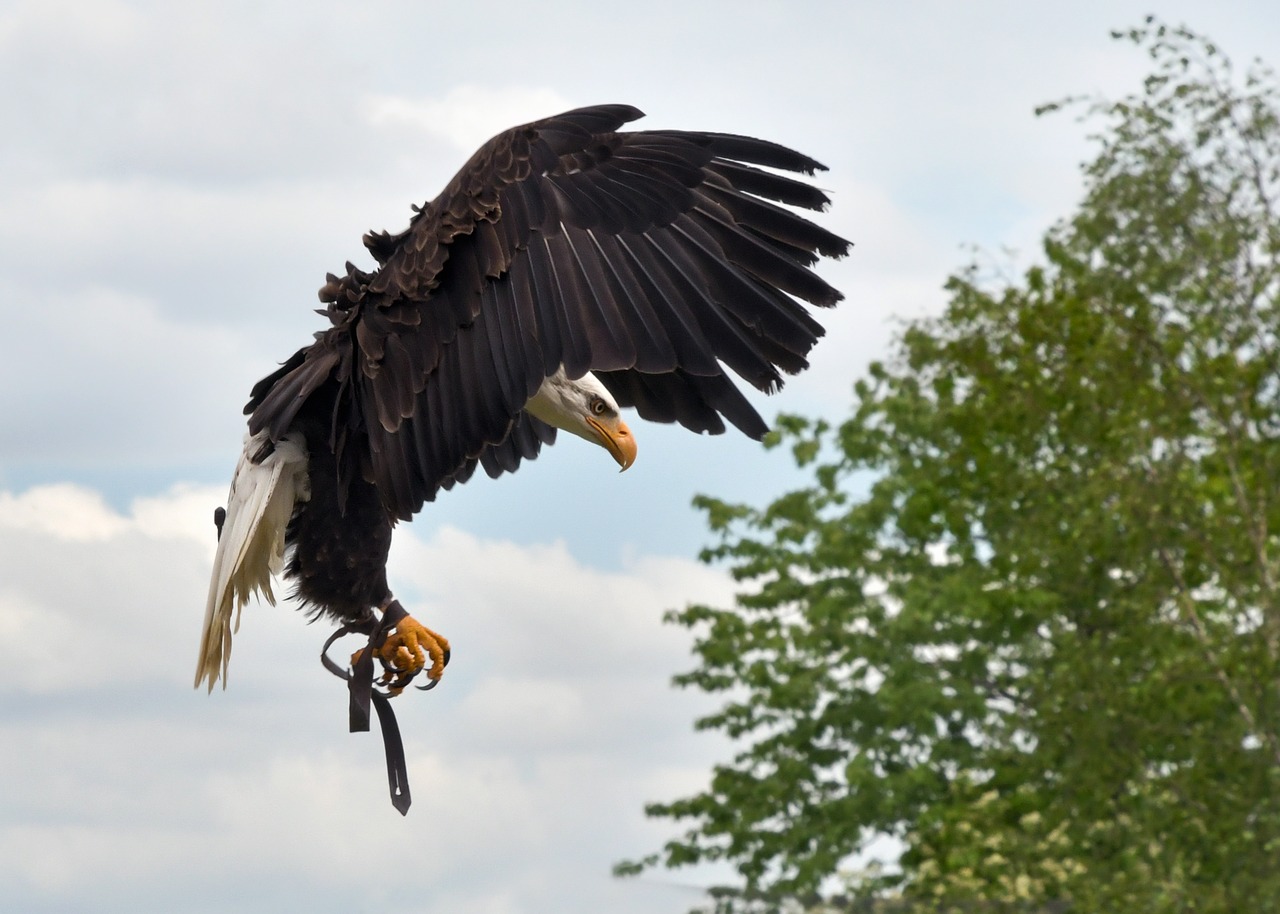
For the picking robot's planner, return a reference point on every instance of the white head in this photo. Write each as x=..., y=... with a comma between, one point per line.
x=587, y=409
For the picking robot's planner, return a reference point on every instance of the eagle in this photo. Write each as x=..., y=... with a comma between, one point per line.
x=569, y=270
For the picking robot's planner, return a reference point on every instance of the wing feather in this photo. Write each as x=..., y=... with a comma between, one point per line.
x=732, y=345
x=660, y=260
x=654, y=349
x=613, y=342
x=770, y=186
x=693, y=352
x=774, y=222
x=772, y=316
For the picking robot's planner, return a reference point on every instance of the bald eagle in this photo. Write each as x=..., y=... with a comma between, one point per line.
x=569, y=270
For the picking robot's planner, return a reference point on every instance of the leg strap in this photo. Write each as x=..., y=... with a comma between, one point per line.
x=360, y=686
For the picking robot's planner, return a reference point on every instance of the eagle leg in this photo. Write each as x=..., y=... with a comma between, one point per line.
x=405, y=652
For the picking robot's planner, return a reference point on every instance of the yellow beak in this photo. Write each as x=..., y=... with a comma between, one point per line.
x=616, y=439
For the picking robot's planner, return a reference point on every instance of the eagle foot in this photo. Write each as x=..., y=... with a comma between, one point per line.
x=405, y=652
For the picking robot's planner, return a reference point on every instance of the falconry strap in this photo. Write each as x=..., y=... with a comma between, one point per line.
x=360, y=685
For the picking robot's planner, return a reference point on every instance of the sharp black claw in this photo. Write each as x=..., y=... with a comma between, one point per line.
x=447, y=654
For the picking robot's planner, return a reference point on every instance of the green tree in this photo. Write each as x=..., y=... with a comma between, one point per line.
x=1025, y=617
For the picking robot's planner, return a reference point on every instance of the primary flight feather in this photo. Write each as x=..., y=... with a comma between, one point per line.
x=570, y=269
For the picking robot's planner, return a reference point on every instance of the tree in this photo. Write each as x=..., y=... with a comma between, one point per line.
x=1041, y=646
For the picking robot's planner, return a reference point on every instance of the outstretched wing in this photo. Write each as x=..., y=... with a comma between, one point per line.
x=655, y=259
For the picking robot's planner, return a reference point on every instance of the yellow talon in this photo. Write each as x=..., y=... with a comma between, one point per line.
x=405, y=652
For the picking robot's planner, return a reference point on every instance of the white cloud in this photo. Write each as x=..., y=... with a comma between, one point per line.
x=125, y=381
x=529, y=764
x=66, y=511
x=467, y=115
x=604, y=623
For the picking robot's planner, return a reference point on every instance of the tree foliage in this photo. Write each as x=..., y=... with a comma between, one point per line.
x=1024, y=618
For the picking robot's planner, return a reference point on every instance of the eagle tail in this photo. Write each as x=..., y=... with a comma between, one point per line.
x=270, y=479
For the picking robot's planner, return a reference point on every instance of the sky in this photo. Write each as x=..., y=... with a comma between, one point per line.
x=175, y=181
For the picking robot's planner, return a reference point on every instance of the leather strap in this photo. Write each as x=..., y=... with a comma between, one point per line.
x=360, y=686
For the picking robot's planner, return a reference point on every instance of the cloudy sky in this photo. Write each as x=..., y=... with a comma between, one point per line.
x=175, y=181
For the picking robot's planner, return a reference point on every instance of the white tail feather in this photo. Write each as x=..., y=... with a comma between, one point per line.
x=251, y=547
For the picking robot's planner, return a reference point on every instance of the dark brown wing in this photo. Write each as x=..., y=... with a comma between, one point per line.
x=654, y=259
